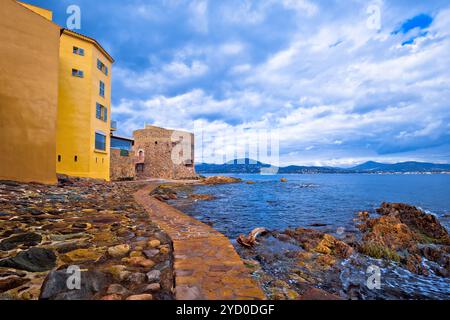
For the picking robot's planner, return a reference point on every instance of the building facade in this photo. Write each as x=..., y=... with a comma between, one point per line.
x=29, y=55
x=83, y=123
x=164, y=154
x=122, y=159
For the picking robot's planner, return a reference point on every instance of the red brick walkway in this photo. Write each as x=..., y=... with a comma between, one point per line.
x=206, y=265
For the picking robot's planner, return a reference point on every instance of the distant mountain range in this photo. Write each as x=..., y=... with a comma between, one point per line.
x=252, y=166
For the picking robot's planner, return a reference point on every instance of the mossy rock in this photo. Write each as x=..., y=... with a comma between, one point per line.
x=379, y=251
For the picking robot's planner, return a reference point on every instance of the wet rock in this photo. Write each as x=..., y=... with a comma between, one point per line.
x=117, y=289
x=220, y=180
x=55, y=286
x=119, y=251
x=154, y=276
x=318, y=294
x=27, y=239
x=151, y=253
x=153, y=287
x=417, y=220
x=33, y=260
x=12, y=282
x=404, y=234
x=136, y=278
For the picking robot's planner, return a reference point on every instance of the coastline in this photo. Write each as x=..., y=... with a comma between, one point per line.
x=307, y=257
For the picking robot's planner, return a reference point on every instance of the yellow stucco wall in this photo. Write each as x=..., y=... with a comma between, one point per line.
x=77, y=122
x=47, y=14
x=29, y=49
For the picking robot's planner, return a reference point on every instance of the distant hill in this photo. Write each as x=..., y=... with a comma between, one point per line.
x=411, y=166
x=252, y=166
x=235, y=166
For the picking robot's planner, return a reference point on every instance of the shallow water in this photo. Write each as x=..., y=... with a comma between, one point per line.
x=330, y=201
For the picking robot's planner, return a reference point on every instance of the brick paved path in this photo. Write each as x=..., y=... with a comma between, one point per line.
x=206, y=265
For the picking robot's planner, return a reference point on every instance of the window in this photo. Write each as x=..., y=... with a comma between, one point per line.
x=77, y=73
x=78, y=51
x=75, y=158
x=100, y=141
x=102, y=67
x=102, y=89
x=101, y=112
x=59, y=158
x=121, y=144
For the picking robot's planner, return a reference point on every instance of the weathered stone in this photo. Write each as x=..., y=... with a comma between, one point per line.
x=34, y=260
x=417, y=220
x=82, y=255
x=118, y=289
x=11, y=283
x=119, y=251
x=55, y=285
x=136, y=278
x=26, y=239
x=151, y=253
x=154, y=276
x=154, y=243
x=153, y=287
x=141, y=297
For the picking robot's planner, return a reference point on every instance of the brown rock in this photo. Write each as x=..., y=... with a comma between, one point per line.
x=141, y=297
x=221, y=180
x=154, y=243
x=112, y=297
x=11, y=283
x=119, y=251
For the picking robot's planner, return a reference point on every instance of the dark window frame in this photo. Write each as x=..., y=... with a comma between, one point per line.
x=100, y=144
x=77, y=73
x=102, y=89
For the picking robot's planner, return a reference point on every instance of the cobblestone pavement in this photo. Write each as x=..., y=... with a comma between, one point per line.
x=206, y=265
x=47, y=230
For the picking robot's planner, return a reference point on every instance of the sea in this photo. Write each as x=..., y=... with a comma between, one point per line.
x=327, y=202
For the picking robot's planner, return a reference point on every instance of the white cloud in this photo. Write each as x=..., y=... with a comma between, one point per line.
x=339, y=92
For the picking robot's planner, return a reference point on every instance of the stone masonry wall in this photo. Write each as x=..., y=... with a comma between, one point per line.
x=122, y=167
x=154, y=149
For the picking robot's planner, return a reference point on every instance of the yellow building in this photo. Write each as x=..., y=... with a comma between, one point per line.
x=29, y=54
x=83, y=125
x=84, y=100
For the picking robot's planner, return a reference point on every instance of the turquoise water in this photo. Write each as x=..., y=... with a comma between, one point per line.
x=330, y=199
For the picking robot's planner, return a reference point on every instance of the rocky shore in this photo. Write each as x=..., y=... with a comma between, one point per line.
x=50, y=234
x=309, y=264
x=411, y=248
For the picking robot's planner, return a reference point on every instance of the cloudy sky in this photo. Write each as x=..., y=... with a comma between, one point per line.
x=342, y=82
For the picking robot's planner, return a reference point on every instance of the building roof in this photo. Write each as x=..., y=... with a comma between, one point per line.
x=88, y=39
x=122, y=138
